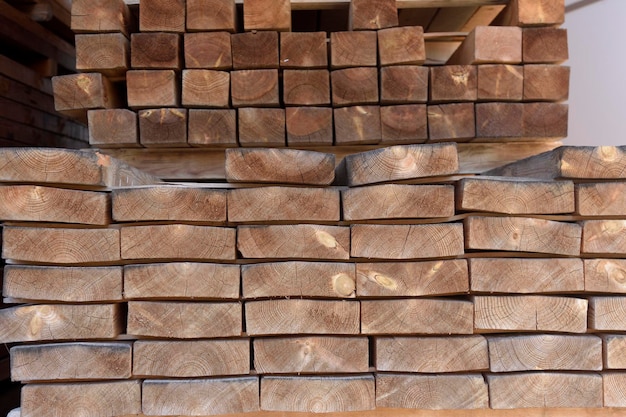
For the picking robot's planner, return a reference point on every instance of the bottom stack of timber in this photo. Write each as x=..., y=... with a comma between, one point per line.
x=400, y=291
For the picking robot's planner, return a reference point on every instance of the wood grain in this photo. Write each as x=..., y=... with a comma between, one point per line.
x=454, y=122
x=500, y=121
x=162, y=16
x=357, y=125
x=217, y=57
x=613, y=386
x=261, y=127
x=546, y=82
x=533, y=13
x=254, y=88
x=402, y=45
x=212, y=127
x=309, y=126
x=267, y=15
x=206, y=88
x=405, y=123
x=106, y=53
x=152, y=89
x=601, y=199
x=604, y=237
x=372, y=14
x=100, y=16
x=500, y=82
x=607, y=313
x=303, y=50
x=605, y=275
x=490, y=45
x=211, y=15
x=544, y=45
x=163, y=127
x=403, y=84
x=353, y=49
x=453, y=83
x=306, y=87
x=158, y=50
x=614, y=347
x=254, y=50
x=116, y=128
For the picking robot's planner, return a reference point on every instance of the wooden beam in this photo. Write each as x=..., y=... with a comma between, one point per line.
x=604, y=237
x=212, y=128
x=354, y=86
x=107, y=53
x=74, y=94
x=217, y=57
x=532, y=13
x=211, y=15
x=402, y=4
x=267, y=15
x=113, y=128
x=254, y=88
x=614, y=346
x=601, y=199
x=163, y=127
x=95, y=16
x=613, y=386
x=353, y=49
x=451, y=122
x=490, y=45
x=401, y=46
x=309, y=126
x=400, y=84
x=156, y=50
x=405, y=123
x=605, y=275
x=357, y=125
x=607, y=313
x=307, y=87
x=544, y=46
x=498, y=82
x=255, y=50
x=152, y=89
x=261, y=127
x=372, y=14
x=162, y=16
x=546, y=82
x=303, y=50
x=453, y=83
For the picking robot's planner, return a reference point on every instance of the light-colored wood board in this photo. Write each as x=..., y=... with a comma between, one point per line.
x=490, y=45
x=151, y=89
x=607, y=313
x=601, y=199
x=483, y=16
x=451, y=20
x=605, y=275
x=90, y=16
x=614, y=349
x=613, y=385
x=604, y=237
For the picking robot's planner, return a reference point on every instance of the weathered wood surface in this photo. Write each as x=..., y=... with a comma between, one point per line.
x=178, y=241
x=299, y=316
x=267, y=15
x=309, y=126
x=211, y=15
x=533, y=13
x=607, y=313
x=162, y=16
x=311, y=354
x=401, y=46
x=500, y=82
x=64, y=284
x=404, y=84
x=453, y=83
x=416, y=316
x=412, y=279
x=181, y=280
x=436, y=354
x=544, y=45
x=169, y=202
x=212, y=128
x=89, y=16
x=490, y=45
x=357, y=125
x=372, y=14
x=158, y=50
x=184, y=320
x=613, y=385
x=604, y=237
x=545, y=352
x=515, y=196
x=191, y=359
x=60, y=322
x=601, y=199
x=527, y=275
x=217, y=57
x=206, y=88
x=254, y=50
x=451, y=122
x=405, y=123
x=605, y=275
x=200, y=396
x=546, y=82
x=261, y=127
x=113, y=128
x=71, y=361
x=152, y=89
x=303, y=50
x=163, y=127
x=318, y=394
x=530, y=313
x=107, y=53
x=522, y=234
x=434, y=392
x=307, y=87
x=353, y=49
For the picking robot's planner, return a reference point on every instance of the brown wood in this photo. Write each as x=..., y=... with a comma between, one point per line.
x=451, y=122
x=74, y=94
x=303, y=50
x=520, y=234
x=401, y=163
x=41, y=322
x=318, y=394
x=298, y=316
x=614, y=347
x=546, y=82
x=99, y=398
x=213, y=15
x=601, y=199
x=515, y=196
x=404, y=124
x=261, y=127
x=607, y=313
x=412, y=279
x=483, y=16
x=152, y=89
x=163, y=127
x=545, y=390
x=91, y=16
x=60, y=245
x=184, y=320
x=372, y=14
x=115, y=128
x=416, y=316
x=287, y=166
x=309, y=126
x=169, y=203
x=206, y=88
x=201, y=396
x=178, y=241
x=354, y=86
x=212, y=127
x=544, y=46
x=64, y=284
x=305, y=241
x=490, y=44
x=604, y=237
x=156, y=51
x=451, y=20
x=436, y=354
x=353, y=49
x=533, y=13
x=267, y=15
x=312, y=354
x=530, y=313
x=162, y=16
x=613, y=386
x=255, y=50
x=605, y=275
x=357, y=125
x=107, y=53
x=191, y=359
x=452, y=83
x=499, y=121
x=71, y=361
x=181, y=280
x=403, y=84
x=526, y=276
x=296, y=204
x=433, y=392
x=254, y=88
x=306, y=87
x=545, y=121
x=302, y=279
x=498, y=82
x=545, y=352
x=401, y=46
x=208, y=50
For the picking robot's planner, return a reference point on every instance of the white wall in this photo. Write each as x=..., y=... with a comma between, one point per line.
x=597, y=114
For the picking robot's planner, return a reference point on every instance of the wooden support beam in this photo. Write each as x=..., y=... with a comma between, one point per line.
x=372, y=14
x=405, y=123
x=605, y=275
x=453, y=83
x=483, y=16
x=490, y=45
x=354, y=86
x=211, y=15
x=532, y=13
x=353, y=49
x=614, y=347
x=261, y=127
x=546, y=82
x=601, y=199
x=254, y=88
x=613, y=386
x=309, y=126
x=115, y=128
x=208, y=50
x=206, y=88
x=107, y=53
x=156, y=50
x=152, y=89
x=98, y=16
x=607, y=313
x=544, y=46
x=212, y=127
x=74, y=94
x=401, y=46
x=499, y=121
x=357, y=125
x=451, y=122
x=255, y=50
x=163, y=127
x=498, y=82
x=267, y=15
x=303, y=50
x=162, y=16
x=307, y=87
x=602, y=237
x=404, y=84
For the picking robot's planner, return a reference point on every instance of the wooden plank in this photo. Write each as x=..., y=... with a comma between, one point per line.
x=23, y=75
x=546, y=390
x=500, y=121
x=254, y=88
x=309, y=126
x=74, y=94
x=311, y=355
x=401, y=46
x=607, y=313
x=169, y=202
x=412, y=279
x=191, y=359
x=261, y=127
x=401, y=163
x=286, y=166
x=521, y=234
x=526, y=275
x=354, y=86
x=451, y=122
x=107, y=53
x=357, y=125
x=152, y=89
x=29, y=323
x=530, y=313
x=60, y=245
x=353, y=49
x=184, y=320
x=97, y=16
x=211, y=15
x=303, y=50
x=545, y=352
x=17, y=134
x=532, y=13
x=405, y=123
x=601, y=199
x=307, y=87
x=391, y=241
x=515, y=196
x=64, y=284
x=490, y=45
x=100, y=398
x=162, y=16
x=181, y=280
x=398, y=201
x=255, y=50
x=605, y=275
x=267, y=15
x=216, y=57
x=158, y=50
x=404, y=84
x=546, y=82
x=545, y=121
x=484, y=16
x=613, y=386
x=178, y=241
x=372, y=14
x=340, y=4
x=71, y=361
x=453, y=83
x=201, y=396
x=113, y=128
x=37, y=95
x=303, y=279
x=604, y=237
x=212, y=127
x=437, y=354
x=544, y=46
x=416, y=316
x=434, y=392
x=614, y=346
x=500, y=82
x=451, y=20
x=163, y=127
x=318, y=394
